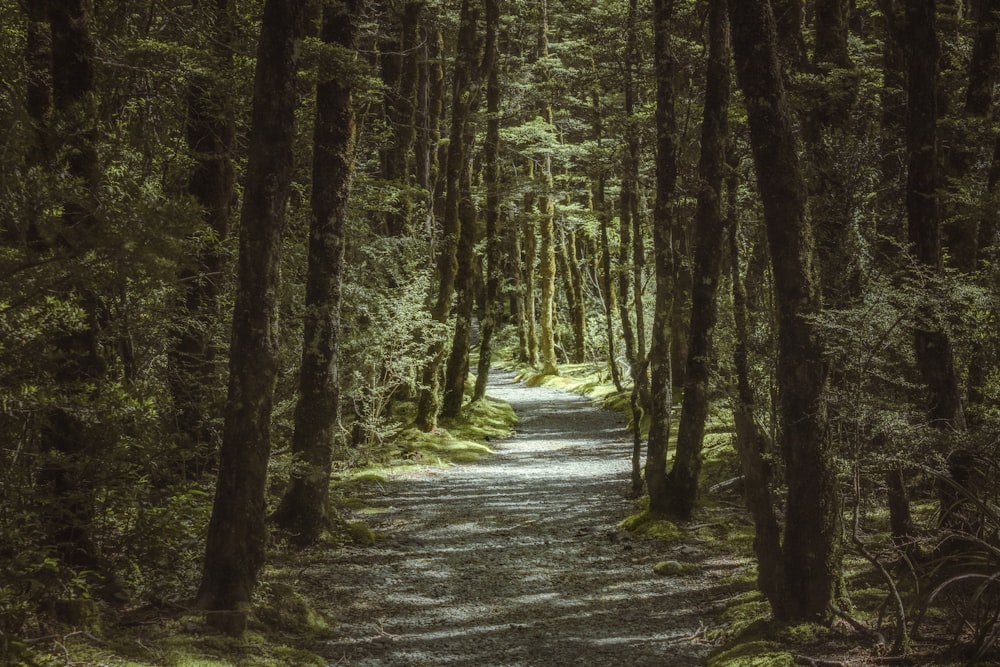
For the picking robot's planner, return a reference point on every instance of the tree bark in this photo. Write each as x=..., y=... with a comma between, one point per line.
x=303, y=511
x=811, y=550
x=463, y=94
x=71, y=449
x=193, y=374
x=709, y=244
x=234, y=549
x=457, y=368
x=401, y=74
x=608, y=285
x=663, y=227
x=932, y=345
x=494, y=238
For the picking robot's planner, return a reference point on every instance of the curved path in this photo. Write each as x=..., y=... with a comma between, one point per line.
x=515, y=560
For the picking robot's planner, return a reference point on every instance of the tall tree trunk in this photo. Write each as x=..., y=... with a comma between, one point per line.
x=931, y=343
x=632, y=257
x=961, y=230
x=708, y=252
x=430, y=107
x=193, y=374
x=890, y=224
x=38, y=98
x=663, y=227
x=463, y=94
x=811, y=550
x=457, y=368
x=576, y=256
x=827, y=129
x=752, y=442
x=303, y=509
x=494, y=239
x=547, y=233
x=72, y=452
x=401, y=71
x=608, y=284
x=530, y=253
x=789, y=17
x=234, y=549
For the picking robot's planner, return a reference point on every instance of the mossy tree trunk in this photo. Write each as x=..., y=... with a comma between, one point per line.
x=494, y=238
x=530, y=243
x=708, y=253
x=752, y=443
x=457, y=367
x=71, y=451
x=579, y=309
x=932, y=345
x=632, y=256
x=811, y=552
x=547, y=233
x=663, y=228
x=401, y=74
x=234, y=548
x=211, y=134
x=463, y=97
x=303, y=509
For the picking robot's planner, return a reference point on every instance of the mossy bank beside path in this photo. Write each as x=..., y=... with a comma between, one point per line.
x=516, y=559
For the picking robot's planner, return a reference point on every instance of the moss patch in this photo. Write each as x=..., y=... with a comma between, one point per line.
x=654, y=525
x=752, y=654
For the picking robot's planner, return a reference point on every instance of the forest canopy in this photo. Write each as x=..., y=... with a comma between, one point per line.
x=250, y=246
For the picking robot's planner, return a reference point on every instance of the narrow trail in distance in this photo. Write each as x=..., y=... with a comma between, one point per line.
x=516, y=560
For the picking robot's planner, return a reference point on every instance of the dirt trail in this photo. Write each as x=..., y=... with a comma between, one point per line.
x=515, y=560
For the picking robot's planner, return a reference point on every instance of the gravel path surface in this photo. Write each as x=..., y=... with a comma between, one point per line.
x=515, y=560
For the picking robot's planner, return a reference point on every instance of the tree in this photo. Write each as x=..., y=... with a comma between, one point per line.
x=663, y=228
x=211, y=134
x=234, y=549
x=708, y=253
x=465, y=90
x=546, y=228
x=810, y=551
x=494, y=238
x=932, y=345
x=72, y=449
x=303, y=509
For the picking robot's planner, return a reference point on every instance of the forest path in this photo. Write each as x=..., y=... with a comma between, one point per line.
x=515, y=560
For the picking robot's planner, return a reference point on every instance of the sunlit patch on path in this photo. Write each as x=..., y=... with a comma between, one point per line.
x=515, y=560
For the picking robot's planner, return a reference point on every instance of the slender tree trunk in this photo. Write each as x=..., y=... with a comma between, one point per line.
x=530, y=252
x=890, y=225
x=579, y=312
x=547, y=233
x=457, y=368
x=234, y=549
x=194, y=375
x=463, y=95
x=494, y=239
x=811, y=550
x=932, y=345
x=663, y=227
x=752, y=442
x=38, y=80
x=608, y=285
x=72, y=451
x=709, y=244
x=826, y=129
x=430, y=106
x=303, y=510
x=632, y=258
x=401, y=72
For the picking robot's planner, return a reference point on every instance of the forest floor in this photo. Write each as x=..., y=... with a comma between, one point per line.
x=517, y=559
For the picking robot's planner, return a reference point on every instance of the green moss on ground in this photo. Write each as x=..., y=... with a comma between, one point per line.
x=651, y=524
x=758, y=653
